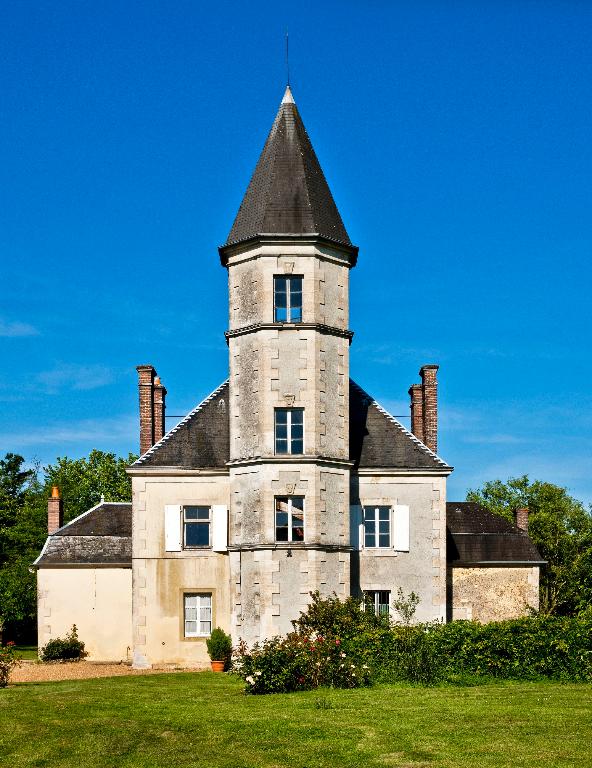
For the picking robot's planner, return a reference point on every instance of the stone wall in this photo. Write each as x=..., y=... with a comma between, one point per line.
x=492, y=594
x=421, y=570
x=97, y=600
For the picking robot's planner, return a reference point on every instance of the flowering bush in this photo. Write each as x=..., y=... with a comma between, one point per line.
x=8, y=660
x=298, y=662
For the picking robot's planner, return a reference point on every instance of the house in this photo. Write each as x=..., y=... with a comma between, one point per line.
x=288, y=478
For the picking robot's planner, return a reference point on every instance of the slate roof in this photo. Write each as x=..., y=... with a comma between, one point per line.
x=475, y=536
x=288, y=192
x=377, y=439
x=201, y=440
x=100, y=537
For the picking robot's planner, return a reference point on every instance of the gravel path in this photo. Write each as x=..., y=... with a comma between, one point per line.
x=78, y=670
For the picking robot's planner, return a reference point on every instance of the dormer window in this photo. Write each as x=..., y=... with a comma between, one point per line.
x=287, y=299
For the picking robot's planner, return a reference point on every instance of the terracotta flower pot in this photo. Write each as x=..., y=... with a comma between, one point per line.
x=218, y=666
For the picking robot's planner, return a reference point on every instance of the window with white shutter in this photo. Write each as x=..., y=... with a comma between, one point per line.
x=401, y=528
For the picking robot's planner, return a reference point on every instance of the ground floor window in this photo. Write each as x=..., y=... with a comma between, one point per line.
x=289, y=518
x=198, y=614
x=379, y=601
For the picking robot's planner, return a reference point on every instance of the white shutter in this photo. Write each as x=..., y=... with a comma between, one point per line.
x=356, y=527
x=401, y=526
x=172, y=528
x=219, y=528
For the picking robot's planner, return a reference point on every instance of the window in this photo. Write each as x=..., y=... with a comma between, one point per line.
x=379, y=601
x=377, y=527
x=198, y=615
x=197, y=523
x=287, y=299
x=289, y=430
x=289, y=518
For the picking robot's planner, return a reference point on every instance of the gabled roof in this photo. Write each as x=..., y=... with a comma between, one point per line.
x=288, y=193
x=476, y=537
x=201, y=440
x=102, y=537
x=377, y=439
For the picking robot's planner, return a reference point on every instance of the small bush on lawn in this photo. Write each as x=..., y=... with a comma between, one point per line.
x=69, y=648
x=219, y=645
x=298, y=662
x=8, y=660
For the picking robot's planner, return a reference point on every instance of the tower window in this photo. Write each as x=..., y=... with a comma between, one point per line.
x=289, y=518
x=289, y=430
x=287, y=299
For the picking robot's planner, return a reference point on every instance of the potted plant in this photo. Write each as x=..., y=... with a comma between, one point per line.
x=219, y=649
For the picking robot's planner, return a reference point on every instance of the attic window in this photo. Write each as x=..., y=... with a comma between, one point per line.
x=287, y=299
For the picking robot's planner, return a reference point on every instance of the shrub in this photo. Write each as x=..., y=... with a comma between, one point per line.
x=298, y=663
x=219, y=645
x=338, y=643
x=69, y=648
x=8, y=660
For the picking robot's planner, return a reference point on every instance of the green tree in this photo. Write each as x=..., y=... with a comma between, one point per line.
x=561, y=529
x=82, y=482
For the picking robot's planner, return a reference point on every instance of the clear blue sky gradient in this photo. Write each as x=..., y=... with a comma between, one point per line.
x=455, y=136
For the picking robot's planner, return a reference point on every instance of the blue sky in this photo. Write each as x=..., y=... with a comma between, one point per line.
x=455, y=137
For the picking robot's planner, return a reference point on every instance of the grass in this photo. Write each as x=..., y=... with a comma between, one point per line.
x=26, y=651
x=187, y=719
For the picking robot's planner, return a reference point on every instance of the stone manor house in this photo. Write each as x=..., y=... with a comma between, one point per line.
x=288, y=478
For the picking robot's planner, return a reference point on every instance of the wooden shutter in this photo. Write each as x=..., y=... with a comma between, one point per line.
x=172, y=528
x=356, y=527
x=401, y=528
x=219, y=528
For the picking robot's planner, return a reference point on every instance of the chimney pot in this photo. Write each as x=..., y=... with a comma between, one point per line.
x=55, y=511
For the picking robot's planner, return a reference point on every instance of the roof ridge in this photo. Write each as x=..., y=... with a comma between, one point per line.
x=183, y=421
x=398, y=424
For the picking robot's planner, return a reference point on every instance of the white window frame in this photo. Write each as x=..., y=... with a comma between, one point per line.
x=204, y=605
x=275, y=526
x=203, y=521
x=375, y=595
x=288, y=279
x=376, y=509
x=289, y=411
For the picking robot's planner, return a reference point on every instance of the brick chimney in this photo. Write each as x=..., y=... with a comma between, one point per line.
x=429, y=386
x=152, y=407
x=521, y=518
x=55, y=511
x=159, y=409
x=416, y=395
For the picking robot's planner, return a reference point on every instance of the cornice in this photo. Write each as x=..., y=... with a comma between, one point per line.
x=328, y=330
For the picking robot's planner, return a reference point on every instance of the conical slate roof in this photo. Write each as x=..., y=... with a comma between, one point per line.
x=288, y=193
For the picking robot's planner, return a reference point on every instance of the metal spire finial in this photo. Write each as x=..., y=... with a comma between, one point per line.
x=287, y=58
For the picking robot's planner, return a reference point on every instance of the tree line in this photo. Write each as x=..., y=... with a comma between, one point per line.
x=559, y=525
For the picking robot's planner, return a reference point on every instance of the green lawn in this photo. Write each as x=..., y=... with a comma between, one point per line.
x=202, y=719
x=26, y=651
